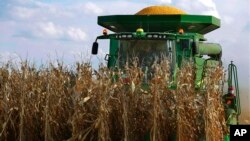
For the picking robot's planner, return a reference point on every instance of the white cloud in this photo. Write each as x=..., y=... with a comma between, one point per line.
x=76, y=34
x=210, y=8
x=91, y=8
x=37, y=10
x=50, y=30
x=164, y=1
x=57, y=11
x=208, y=3
x=22, y=12
x=203, y=7
x=39, y=19
x=227, y=19
x=122, y=7
x=23, y=1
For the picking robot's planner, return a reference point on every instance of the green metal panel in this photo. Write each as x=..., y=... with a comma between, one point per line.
x=113, y=53
x=199, y=63
x=209, y=49
x=160, y=23
x=179, y=55
x=227, y=137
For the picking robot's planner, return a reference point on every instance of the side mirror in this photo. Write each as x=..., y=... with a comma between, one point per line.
x=95, y=48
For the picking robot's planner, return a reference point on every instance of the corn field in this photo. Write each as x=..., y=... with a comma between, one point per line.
x=57, y=103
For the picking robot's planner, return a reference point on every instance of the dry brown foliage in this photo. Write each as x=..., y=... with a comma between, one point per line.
x=56, y=103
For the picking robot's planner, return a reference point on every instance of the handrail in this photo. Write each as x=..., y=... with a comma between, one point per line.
x=233, y=80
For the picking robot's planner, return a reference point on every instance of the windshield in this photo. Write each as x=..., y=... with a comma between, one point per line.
x=146, y=51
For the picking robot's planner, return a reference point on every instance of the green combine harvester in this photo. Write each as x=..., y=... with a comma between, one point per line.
x=178, y=36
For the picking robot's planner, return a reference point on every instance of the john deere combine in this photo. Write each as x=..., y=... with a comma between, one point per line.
x=162, y=30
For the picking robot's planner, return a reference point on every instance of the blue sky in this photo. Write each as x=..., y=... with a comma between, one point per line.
x=42, y=30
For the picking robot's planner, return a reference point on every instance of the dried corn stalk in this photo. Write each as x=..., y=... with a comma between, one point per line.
x=56, y=103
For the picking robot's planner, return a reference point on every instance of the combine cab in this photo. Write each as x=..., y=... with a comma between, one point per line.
x=178, y=36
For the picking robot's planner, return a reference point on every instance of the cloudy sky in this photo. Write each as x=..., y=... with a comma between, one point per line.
x=41, y=30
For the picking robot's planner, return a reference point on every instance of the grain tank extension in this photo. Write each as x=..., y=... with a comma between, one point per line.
x=172, y=32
